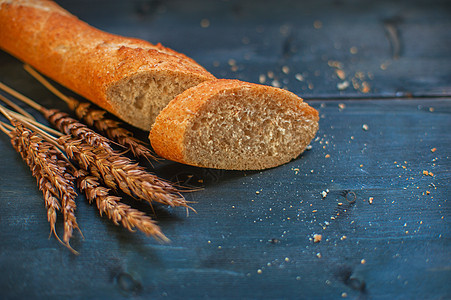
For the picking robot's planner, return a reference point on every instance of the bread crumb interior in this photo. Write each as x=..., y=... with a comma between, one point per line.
x=141, y=97
x=240, y=130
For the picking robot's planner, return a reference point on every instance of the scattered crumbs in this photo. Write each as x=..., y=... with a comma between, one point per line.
x=324, y=193
x=428, y=173
x=259, y=271
x=365, y=127
x=370, y=200
x=327, y=156
x=341, y=74
x=219, y=247
x=431, y=109
x=384, y=65
x=257, y=192
x=343, y=238
x=361, y=165
x=274, y=241
x=343, y=85
x=200, y=181
x=311, y=171
x=296, y=171
x=344, y=295
x=362, y=261
x=365, y=87
x=340, y=203
x=335, y=64
x=270, y=74
x=204, y=23
x=433, y=150
x=355, y=84
x=298, y=277
x=317, y=24
x=341, y=106
x=262, y=78
x=352, y=137
x=317, y=238
x=427, y=192
x=309, y=147
x=314, y=211
x=209, y=242
x=353, y=50
x=311, y=86
x=232, y=62
x=299, y=77
x=276, y=83
x=318, y=255
x=287, y=259
x=285, y=69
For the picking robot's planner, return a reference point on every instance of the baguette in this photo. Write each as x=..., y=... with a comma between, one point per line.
x=130, y=78
x=234, y=125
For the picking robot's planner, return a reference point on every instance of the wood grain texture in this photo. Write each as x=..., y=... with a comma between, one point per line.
x=251, y=221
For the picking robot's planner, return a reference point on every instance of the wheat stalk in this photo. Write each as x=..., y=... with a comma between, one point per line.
x=120, y=172
x=70, y=126
x=23, y=140
x=115, y=210
x=51, y=171
x=96, y=118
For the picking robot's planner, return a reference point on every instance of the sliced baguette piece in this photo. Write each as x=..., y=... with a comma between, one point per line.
x=234, y=125
x=130, y=78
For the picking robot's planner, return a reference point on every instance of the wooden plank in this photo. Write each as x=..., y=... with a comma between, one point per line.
x=396, y=247
x=251, y=221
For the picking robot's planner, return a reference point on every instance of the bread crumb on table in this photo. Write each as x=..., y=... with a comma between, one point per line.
x=299, y=77
x=204, y=23
x=317, y=24
x=317, y=238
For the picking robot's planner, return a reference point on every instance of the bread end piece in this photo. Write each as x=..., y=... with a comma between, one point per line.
x=234, y=125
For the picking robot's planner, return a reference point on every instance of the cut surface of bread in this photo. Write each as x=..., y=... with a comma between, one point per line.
x=230, y=124
x=129, y=77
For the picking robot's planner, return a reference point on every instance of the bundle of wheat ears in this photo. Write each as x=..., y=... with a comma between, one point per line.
x=76, y=156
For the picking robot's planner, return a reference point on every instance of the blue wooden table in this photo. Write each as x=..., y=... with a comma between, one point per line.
x=375, y=184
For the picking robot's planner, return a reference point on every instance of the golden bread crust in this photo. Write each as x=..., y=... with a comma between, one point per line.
x=82, y=58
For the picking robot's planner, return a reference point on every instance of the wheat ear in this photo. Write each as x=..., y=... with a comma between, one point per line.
x=51, y=172
x=51, y=202
x=119, y=172
x=115, y=210
x=55, y=169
